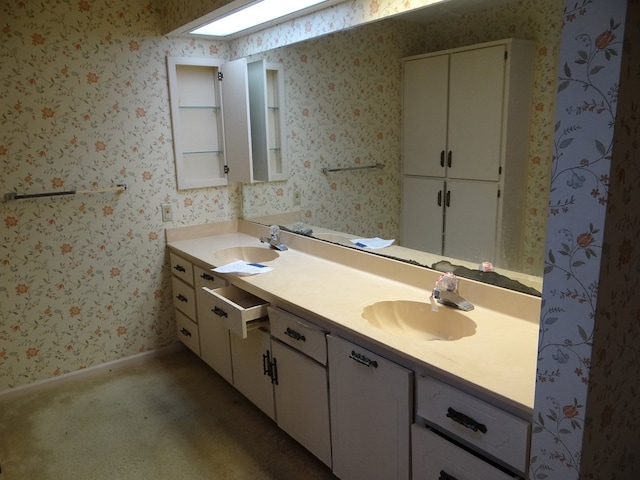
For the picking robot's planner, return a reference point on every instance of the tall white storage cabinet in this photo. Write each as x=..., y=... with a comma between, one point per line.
x=465, y=138
x=228, y=124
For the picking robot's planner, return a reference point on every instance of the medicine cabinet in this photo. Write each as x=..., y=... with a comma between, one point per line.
x=227, y=120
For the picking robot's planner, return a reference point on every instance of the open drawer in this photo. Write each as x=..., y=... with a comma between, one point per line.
x=241, y=311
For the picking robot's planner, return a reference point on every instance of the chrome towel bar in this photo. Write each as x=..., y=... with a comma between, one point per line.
x=121, y=187
x=326, y=170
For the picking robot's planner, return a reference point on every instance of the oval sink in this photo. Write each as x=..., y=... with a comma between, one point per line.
x=416, y=320
x=248, y=254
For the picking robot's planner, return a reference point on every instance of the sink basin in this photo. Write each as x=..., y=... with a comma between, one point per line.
x=417, y=321
x=248, y=254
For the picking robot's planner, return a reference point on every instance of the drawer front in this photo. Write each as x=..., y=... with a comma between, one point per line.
x=188, y=332
x=181, y=268
x=205, y=278
x=434, y=457
x=299, y=334
x=497, y=433
x=241, y=311
x=184, y=298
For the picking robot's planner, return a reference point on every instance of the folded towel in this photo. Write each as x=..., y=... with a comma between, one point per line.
x=243, y=268
x=372, y=242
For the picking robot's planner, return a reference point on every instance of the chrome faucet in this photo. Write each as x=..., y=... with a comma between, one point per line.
x=274, y=238
x=446, y=293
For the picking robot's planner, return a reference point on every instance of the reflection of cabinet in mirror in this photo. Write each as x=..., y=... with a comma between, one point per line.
x=465, y=132
x=227, y=121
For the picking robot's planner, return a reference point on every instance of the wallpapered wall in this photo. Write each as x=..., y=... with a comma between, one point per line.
x=84, y=104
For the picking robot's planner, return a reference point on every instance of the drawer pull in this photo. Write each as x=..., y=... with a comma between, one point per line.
x=295, y=335
x=185, y=332
x=180, y=268
x=219, y=312
x=466, y=421
x=274, y=371
x=445, y=476
x=358, y=357
x=207, y=277
x=182, y=298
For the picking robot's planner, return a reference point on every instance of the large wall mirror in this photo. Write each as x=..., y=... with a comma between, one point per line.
x=343, y=110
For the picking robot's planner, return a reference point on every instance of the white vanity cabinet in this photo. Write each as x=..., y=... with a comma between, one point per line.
x=478, y=429
x=371, y=412
x=465, y=118
x=184, y=301
x=227, y=121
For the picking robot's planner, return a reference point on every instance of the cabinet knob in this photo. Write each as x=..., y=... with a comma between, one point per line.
x=207, y=277
x=219, y=312
x=180, y=268
x=185, y=332
x=295, y=335
x=360, y=358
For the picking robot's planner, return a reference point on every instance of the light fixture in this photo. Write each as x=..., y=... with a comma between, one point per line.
x=252, y=15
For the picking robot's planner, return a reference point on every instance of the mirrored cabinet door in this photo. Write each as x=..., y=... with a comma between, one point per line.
x=196, y=117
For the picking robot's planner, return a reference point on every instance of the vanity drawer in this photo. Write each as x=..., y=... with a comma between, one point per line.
x=184, y=297
x=435, y=457
x=474, y=422
x=188, y=332
x=204, y=278
x=299, y=334
x=241, y=311
x=181, y=268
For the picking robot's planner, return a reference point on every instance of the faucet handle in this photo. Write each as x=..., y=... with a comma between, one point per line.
x=274, y=231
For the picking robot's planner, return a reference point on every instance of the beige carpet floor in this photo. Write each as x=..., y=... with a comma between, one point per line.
x=168, y=417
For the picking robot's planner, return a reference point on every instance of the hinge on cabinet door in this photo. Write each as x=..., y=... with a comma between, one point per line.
x=226, y=169
x=220, y=76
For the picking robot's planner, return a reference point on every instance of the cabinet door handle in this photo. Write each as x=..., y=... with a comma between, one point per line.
x=182, y=298
x=207, y=277
x=266, y=363
x=445, y=476
x=442, y=158
x=290, y=332
x=185, y=332
x=180, y=268
x=358, y=357
x=439, y=198
x=466, y=421
x=219, y=312
x=448, y=198
x=449, y=155
x=274, y=371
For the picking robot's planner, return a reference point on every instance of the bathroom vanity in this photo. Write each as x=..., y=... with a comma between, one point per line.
x=342, y=350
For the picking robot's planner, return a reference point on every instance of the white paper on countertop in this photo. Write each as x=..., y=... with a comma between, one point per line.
x=374, y=242
x=243, y=268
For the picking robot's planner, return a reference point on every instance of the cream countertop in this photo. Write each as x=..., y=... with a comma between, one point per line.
x=336, y=284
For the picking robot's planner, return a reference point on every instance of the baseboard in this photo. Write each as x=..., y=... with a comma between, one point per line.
x=111, y=366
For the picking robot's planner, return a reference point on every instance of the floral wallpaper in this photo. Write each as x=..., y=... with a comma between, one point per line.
x=84, y=105
x=586, y=406
x=343, y=109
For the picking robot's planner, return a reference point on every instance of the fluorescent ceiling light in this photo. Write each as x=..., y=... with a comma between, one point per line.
x=255, y=14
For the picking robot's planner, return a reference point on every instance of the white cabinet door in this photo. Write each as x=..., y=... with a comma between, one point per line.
x=425, y=116
x=471, y=213
x=215, y=346
x=422, y=219
x=476, y=103
x=251, y=358
x=371, y=405
x=237, y=130
x=302, y=400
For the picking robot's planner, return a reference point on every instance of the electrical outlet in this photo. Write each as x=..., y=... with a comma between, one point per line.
x=167, y=212
x=296, y=197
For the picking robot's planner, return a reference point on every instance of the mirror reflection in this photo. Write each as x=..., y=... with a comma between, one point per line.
x=344, y=109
